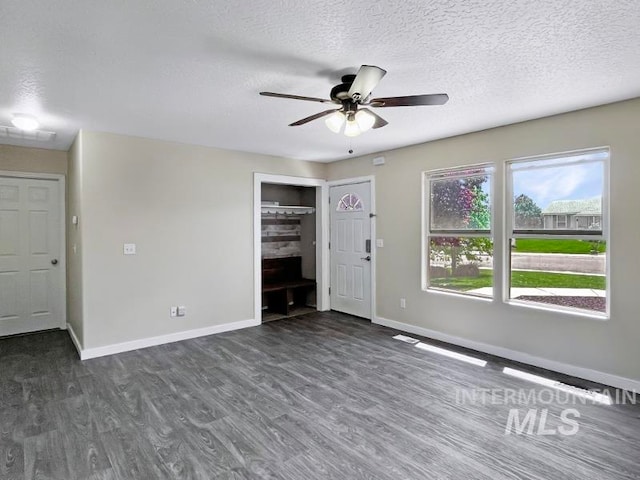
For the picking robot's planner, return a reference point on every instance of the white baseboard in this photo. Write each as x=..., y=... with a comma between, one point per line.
x=579, y=372
x=87, y=353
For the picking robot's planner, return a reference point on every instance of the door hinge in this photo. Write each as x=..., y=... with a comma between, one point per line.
x=329, y=290
x=329, y=245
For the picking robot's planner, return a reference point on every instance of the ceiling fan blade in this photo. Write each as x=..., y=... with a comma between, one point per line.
x=410, y=101
x=366, y=80
x=380, y=122
x=296, y=97
x=313, y=117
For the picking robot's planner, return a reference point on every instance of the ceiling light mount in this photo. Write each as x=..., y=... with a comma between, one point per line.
x=25, y=122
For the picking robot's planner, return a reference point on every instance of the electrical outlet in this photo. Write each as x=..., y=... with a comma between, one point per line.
x=182, y=311
x=173, y=312
x=129, y=249
x=403, y=303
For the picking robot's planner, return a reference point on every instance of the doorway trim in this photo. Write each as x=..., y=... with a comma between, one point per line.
x=371, y=179
x=63, y=230
x=322, y=240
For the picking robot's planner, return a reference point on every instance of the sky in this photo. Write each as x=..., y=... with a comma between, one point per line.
x=569, y=182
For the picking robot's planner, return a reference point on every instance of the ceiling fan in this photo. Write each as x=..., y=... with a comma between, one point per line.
x=353, y=96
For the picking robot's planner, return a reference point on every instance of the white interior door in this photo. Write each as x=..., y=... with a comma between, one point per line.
x=30, y=277
x=350, y=206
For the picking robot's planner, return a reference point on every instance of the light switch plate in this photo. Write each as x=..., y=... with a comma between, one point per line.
x=129, y=249
x=379, y=243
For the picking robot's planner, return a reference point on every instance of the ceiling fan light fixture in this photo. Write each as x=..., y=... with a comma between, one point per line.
x=351, y=128
x=354, y=94
x=364, y=120
x=335, y=121
x=25, y=122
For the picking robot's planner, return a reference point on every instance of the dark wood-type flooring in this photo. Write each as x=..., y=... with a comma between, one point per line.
x=315, y=397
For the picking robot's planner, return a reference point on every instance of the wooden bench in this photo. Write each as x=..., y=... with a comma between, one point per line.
x=283, y=284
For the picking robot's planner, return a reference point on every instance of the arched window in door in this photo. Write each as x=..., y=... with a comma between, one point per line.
x=350, y=202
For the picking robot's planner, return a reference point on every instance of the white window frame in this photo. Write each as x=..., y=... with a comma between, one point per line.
x=427, y=234
x=510, y=233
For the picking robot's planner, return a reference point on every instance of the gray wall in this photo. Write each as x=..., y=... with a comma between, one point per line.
x=608, y=346
x=75, y=315
x=284, y=194
x=180, y=204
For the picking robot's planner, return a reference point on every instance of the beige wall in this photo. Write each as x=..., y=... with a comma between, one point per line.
x=32, y=160
x=608, y=346
x=74, y=240
x=179, y=204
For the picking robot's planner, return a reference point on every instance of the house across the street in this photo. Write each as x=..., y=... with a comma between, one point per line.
x=573, y=214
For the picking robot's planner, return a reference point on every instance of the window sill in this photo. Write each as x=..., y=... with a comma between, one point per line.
x=453, y=293
x=601, y=317
x=559, y=309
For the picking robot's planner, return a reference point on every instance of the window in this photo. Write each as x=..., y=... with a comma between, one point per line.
x=561, y=221
x=350, y=202
x=459, y=246
x=556, y=227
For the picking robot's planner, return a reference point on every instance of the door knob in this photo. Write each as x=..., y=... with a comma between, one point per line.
x=367, y=258
x=54, y=261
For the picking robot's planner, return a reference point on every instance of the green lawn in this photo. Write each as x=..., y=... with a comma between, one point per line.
x=535, y=245
x=523, y=279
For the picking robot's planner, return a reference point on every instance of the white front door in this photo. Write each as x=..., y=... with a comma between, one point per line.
x=30, y=277
x=350, y=206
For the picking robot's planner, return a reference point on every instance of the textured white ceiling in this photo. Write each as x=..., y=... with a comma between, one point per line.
x=190, y=71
